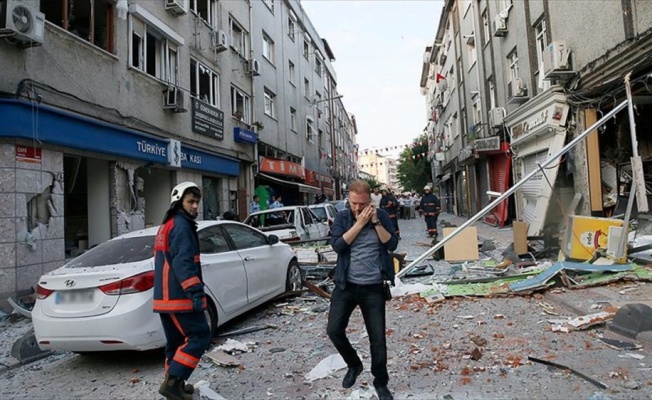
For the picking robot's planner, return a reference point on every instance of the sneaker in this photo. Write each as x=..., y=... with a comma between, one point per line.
x=351, y=375
x=383, y=393
x=173, y=389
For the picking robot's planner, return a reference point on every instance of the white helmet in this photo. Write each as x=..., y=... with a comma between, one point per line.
x=426, y=187
x=180, y=189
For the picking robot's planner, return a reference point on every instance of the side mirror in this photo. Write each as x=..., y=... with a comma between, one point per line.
x=272, y=239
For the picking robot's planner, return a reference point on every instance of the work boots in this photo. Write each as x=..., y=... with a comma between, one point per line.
x=175, y=389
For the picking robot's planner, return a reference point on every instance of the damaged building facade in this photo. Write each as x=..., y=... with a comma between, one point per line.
x=108, y=104
x=509, y=83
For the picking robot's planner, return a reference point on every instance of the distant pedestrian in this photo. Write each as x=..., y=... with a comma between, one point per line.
x=229, y=216
x=362, y=238
x=376, y=196
x=430, y=207
x=254, y=206
x=179, y=296
x=277, y=203
x=389, y=203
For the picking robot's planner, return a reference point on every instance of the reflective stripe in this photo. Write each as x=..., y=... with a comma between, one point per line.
x=175, y=320
x=166, y=278
x=173, y=305
x=190, y=282
x=185, y=359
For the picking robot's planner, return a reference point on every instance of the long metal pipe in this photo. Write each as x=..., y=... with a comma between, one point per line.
x=514, y=188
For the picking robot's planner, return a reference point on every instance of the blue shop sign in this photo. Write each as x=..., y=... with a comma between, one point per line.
x=203, y=161
x=244, y=136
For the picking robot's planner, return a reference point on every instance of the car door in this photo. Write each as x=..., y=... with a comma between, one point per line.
x=318, y=229
x=310, y=222
x=259, y=261
x=223, y=269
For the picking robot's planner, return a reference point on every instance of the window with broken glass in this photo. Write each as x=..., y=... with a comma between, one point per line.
x=239, y=41
x=240, y=105
x=153, y=53
x=204, y=83
x=270, y=99
x=206, y=10
x=91, y=20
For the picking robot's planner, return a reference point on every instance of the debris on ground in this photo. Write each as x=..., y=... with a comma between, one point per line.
x=326, y=367
x=223, y=359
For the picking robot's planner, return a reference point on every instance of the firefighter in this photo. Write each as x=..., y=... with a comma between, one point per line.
x=389, y=203
x=430, y=207
x=179, y=296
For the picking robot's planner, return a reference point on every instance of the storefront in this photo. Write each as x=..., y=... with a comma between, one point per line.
x=320, y=181
x=537, y=130
x=285, y=178
x=77, y=182
x=498, y=161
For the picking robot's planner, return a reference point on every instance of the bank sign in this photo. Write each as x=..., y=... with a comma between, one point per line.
x=207, y=120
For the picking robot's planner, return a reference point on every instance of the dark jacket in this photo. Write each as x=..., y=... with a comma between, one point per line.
x=390, y=205
x=429, y=205
x=177, y=269
x=343, y=222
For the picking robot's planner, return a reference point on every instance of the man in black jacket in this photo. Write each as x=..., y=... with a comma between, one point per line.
x=430, y=207
x=363, y=238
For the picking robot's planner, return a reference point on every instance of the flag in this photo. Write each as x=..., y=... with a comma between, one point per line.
x=439, y=77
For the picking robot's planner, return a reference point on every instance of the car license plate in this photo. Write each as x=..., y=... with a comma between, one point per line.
x=74, y=297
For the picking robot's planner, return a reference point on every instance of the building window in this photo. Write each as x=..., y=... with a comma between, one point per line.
x=270, y=98
x=306, y=49
x=492, y=93
x=505, y=5
x=293, y=119
x=292, y=27
x=471, y=52
x=512, y=62
x=239, y=41
x=310, y=131
x=204, y=83
x=269, y=4
x=240, y=105
x=306, y=87
x=268, y=48
x=206, y=10
x=291, y=72
x=93, y=22
x=477, y=113
x=318, y=66
x=486, y=28
x=153, y=53
x=542, y=41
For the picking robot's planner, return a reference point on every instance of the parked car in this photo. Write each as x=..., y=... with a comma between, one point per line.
x=326, y=212
x=340, y=204
x=102, y=300
x=290, y=223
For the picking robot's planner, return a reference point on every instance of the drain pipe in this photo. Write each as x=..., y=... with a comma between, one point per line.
x=511, y=190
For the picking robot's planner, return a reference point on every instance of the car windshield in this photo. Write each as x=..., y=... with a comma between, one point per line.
x=270, y=218
x=116, y=252
x=340, y=204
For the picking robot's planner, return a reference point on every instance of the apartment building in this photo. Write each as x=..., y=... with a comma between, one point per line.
x=107, y=104
x=509, y=83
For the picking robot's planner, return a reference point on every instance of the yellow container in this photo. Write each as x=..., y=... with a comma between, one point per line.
x=585, y=235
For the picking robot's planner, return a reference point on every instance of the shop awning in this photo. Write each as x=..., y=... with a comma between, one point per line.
x=302, y=188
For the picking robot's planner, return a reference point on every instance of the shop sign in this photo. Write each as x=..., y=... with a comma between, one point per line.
x=207, y=120
x=466, y=153
x=316, y=179
x=487, y=144
x=203, y=161
x=550, y=117
x=244, y=136
x=440, y=156
x=28, y=154
x=281, y=167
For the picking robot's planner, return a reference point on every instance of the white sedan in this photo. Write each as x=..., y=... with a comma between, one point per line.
x=290, y=223
x=102, y=300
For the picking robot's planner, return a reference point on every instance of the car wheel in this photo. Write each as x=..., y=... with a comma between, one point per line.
x=294, y=278
x=211, y=317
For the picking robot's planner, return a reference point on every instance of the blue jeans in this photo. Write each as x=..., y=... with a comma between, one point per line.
x=372, y=304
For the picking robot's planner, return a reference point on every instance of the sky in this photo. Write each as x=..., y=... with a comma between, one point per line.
x=378, y=47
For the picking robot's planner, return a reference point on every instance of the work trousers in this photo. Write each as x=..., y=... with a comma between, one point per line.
x=394, y=219
x=372, y=305
x=431, y=224
x=188, y=336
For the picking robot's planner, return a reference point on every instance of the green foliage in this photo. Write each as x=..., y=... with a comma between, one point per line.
x=372, y=182
x=415, y=173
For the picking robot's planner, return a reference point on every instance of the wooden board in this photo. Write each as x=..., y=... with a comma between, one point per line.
x=519, y=229
x=463, y=247
x=593, y=162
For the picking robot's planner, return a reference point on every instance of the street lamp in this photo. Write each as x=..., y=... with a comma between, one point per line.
x=315, y=101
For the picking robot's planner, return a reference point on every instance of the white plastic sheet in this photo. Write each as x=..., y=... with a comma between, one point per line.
x=326, y=367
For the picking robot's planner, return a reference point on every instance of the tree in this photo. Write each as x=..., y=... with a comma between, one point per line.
x=414, y=171
x=372, y=182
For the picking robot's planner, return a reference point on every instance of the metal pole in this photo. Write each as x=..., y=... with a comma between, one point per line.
x=511, y=190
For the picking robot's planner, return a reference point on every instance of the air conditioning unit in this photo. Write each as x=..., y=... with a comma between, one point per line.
x=177, y=7
x=497, y=117
x=22, y=22
x=253, y=67
x=219, y=41
x=174, y=99
x=556, y=60
x=516, y=90
x=500, y=26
